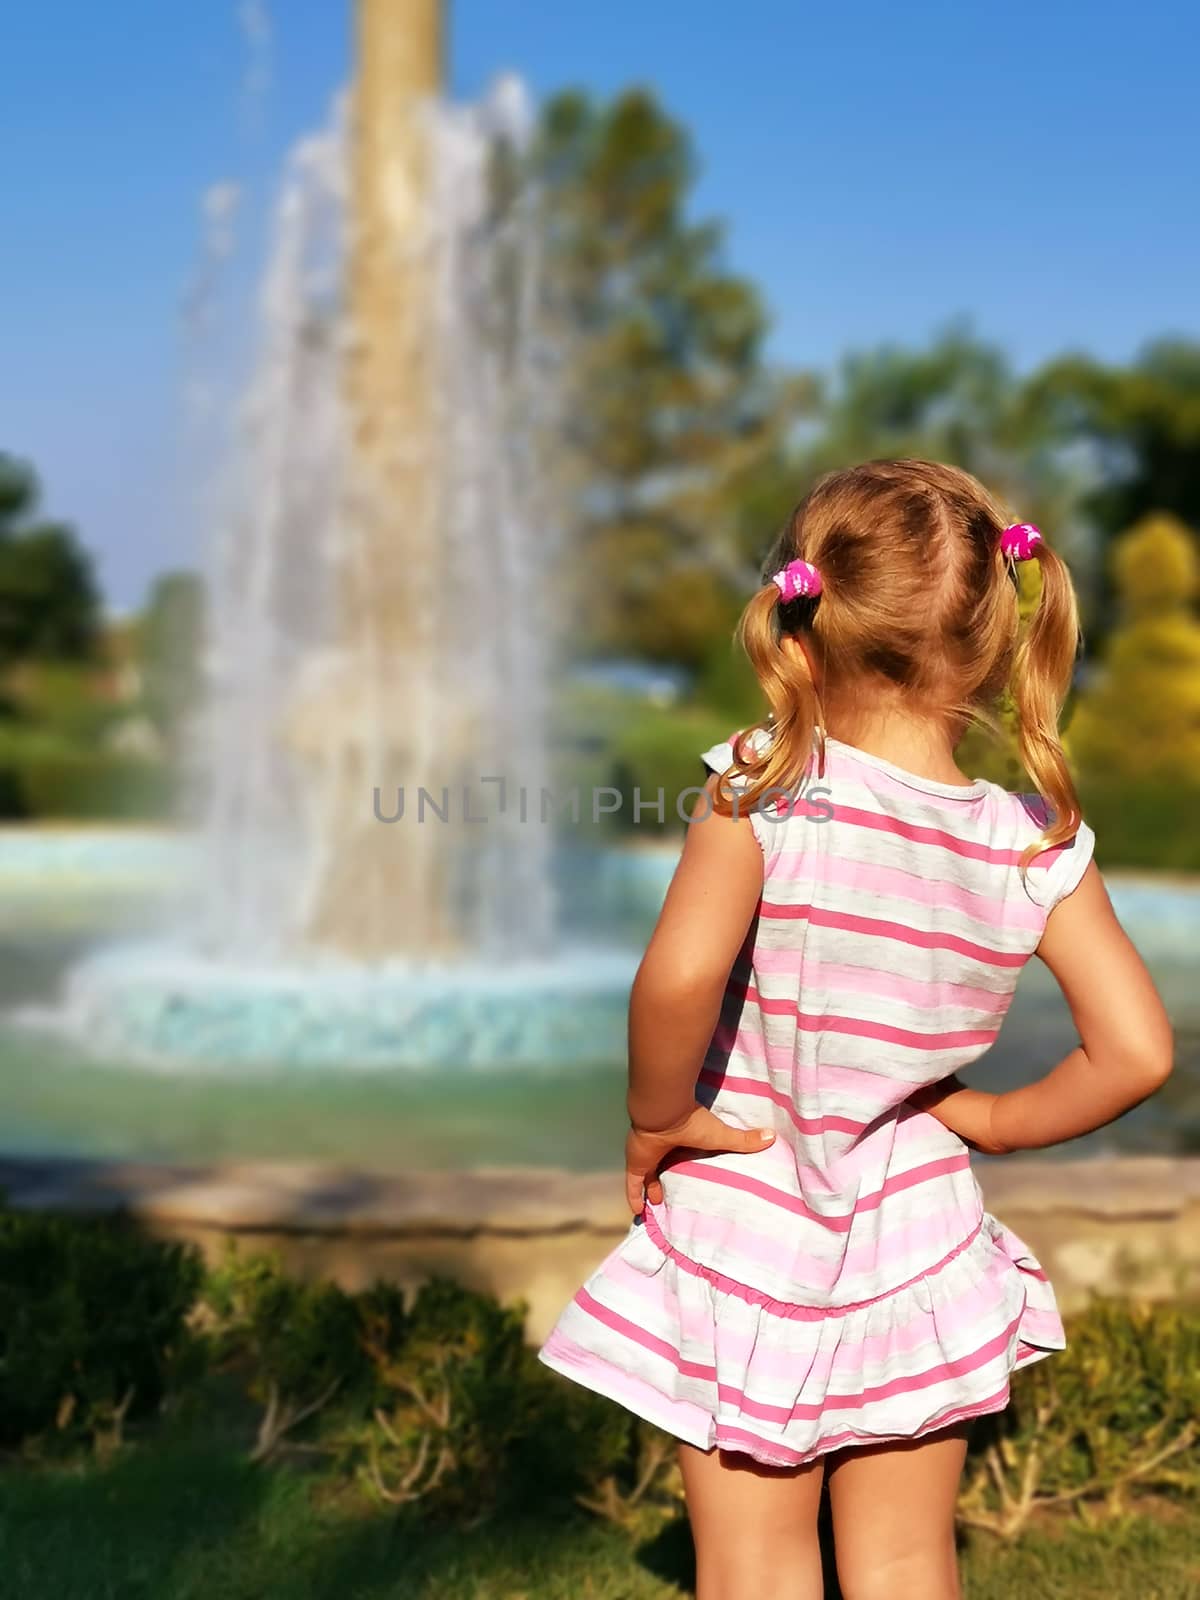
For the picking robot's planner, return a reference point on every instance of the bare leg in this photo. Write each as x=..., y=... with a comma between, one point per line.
x=754, y=1526
x=893, y=1517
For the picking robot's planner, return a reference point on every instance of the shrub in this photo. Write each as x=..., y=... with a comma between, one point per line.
x=93, y=784
x=436, y=1402
x=1116, y=1412
x=466, y=1420
x=92, y=1317
x=297, y=1343
x=640, y=1476
x=1149, y=825
x=1151, y=661
x=728, y=684
x=661, y=749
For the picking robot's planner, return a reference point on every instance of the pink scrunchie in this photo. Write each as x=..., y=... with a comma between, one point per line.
x=1019, y=541
x=796, y=579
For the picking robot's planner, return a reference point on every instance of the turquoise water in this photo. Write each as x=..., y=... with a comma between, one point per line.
x=57, y=902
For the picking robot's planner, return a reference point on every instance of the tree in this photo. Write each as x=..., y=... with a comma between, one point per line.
x=49, y=599
x=952, y=401
x=672, y=400
x=1140, y=425
x=955, y=400
x=1140, y=723
x=171, y=643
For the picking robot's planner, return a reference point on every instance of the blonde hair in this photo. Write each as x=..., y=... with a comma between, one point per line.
x=918, y=599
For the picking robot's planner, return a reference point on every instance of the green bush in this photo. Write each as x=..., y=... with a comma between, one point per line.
x=434, y=1401
x=661, y=749
x=59, y=700
x=1117, y=1412
x=44, y=773
x=92, y=1316
x=436, y=1404
x=1141, y=822
x=1149, y=826
x=296, y=1344
x=86, y=785
x=728, y=684
x=465, y=1419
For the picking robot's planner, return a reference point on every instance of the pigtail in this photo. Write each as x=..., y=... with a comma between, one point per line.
x=774, y=765
x=920, y=570
x=1041, y=678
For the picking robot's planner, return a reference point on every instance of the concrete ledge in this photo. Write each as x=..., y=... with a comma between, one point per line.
x=1102, y=1225
x=1100, y=1186
x=301, y=1198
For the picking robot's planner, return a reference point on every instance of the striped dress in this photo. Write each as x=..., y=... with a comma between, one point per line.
x=844, y=1286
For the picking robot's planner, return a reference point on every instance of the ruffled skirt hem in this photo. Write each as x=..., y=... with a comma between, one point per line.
x=720, y=1366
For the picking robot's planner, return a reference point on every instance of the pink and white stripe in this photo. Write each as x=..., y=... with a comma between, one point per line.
x=845, y=1285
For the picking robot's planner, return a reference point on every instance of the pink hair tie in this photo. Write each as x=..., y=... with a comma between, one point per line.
x=796, y=579
x=1020, y=541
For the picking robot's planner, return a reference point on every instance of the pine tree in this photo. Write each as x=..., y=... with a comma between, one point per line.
x=1140, y=722
x=674, y=404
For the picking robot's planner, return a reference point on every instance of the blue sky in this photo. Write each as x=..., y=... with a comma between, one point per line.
x=882, y=167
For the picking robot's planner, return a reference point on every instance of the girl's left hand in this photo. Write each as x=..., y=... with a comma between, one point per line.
x=966, y=1112
x=645, y=1152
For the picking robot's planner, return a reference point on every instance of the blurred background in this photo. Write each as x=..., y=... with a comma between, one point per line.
x=398, y=402
x=352, y=446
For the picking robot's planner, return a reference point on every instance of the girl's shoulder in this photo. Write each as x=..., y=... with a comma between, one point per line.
x=1021, y=821
x=720, y=757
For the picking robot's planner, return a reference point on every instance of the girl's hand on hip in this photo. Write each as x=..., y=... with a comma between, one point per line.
x=966, y=1112
x=646, y=1151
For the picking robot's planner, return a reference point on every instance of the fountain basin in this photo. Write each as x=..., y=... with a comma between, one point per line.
x=145, y=1051
x=163, y=1005
x=150, y=1000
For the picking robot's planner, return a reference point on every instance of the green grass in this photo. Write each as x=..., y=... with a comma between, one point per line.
x=1142, y=1557
x=187, y=1518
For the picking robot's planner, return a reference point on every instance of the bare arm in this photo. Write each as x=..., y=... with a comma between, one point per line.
x=1125, y=1043
x=676, y=999
x=677, y=994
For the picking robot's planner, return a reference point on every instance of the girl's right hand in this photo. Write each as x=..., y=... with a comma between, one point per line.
x=645, y=1151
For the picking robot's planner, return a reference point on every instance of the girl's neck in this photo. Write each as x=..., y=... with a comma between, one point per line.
x=922, y=745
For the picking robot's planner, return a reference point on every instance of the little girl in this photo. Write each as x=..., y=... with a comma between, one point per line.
x=811, y=1289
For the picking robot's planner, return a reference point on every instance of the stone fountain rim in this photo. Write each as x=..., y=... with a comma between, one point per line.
x=315, y=1198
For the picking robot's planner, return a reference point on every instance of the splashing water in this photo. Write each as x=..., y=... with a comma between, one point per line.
x=323, y=713
x=381, y=596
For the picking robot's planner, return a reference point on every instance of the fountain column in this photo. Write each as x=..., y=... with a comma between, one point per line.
x=389, y=379
x=383, y=614
x=377, y=890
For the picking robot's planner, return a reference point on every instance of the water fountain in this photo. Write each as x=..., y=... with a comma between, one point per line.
x=379, y=622
x=379, y=635
x=389, y=539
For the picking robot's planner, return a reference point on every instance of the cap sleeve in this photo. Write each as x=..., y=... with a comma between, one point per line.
x=718, y=758
x=1065, y=867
